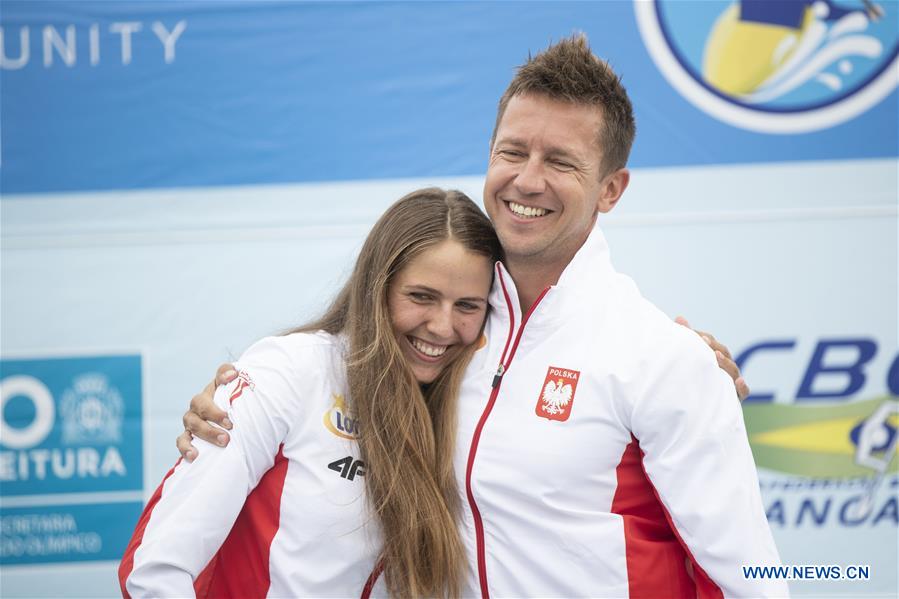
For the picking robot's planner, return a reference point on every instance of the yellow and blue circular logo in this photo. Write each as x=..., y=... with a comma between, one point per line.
x=784, y=66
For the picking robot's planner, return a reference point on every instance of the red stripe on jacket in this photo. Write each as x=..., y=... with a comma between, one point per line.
x=372, y=580
x=657, y=558
x=240, y=568
x=127, y=563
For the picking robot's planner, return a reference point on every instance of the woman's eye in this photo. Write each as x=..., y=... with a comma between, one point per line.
x=419, y=297
x=467, y=306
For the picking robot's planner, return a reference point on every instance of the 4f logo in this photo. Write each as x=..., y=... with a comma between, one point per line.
x=557, y=395
x=348, y=467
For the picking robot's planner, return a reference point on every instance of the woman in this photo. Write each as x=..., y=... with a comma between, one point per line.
x=389, y=353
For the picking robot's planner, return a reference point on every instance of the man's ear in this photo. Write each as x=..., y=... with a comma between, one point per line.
x=613, y=186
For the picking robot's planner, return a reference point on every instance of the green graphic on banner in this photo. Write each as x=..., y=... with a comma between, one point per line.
x=849, y=440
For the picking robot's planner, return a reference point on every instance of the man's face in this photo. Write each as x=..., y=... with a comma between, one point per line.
x=543, y=186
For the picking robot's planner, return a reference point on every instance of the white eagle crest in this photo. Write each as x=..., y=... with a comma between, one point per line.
x=556, y=396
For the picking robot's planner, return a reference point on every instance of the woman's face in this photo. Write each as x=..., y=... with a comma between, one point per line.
x=437, y=305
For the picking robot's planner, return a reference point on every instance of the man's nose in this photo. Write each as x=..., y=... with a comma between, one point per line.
x=530, y=179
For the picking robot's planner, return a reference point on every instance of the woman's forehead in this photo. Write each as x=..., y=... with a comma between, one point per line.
x=447, y=266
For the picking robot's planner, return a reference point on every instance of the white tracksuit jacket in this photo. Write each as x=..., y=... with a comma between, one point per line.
x=609, y=454
x=280, y=511
x=611, y=450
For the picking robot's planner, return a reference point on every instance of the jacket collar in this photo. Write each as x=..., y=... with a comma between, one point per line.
x=590, y=265
x=583, y=277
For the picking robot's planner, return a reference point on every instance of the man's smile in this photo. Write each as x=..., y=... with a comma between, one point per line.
x=528, y=212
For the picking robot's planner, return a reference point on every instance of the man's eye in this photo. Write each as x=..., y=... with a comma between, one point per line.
x=561, y=165
x=467, y=306
x=511, y=153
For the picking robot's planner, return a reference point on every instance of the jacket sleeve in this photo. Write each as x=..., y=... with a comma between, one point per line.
x=690, y=427
x=192, y=512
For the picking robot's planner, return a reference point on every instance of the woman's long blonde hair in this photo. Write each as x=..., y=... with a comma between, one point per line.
x=408, y=432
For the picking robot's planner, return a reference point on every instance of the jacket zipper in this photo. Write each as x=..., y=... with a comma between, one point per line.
x=497, y=381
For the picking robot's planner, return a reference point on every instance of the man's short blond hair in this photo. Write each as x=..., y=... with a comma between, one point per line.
x=570, y=72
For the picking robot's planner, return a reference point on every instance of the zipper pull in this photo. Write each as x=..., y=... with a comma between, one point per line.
x=498, y=376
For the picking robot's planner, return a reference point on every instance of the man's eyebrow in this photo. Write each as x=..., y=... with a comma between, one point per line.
x=511, y=141
x=554, y=152
x=560, y=153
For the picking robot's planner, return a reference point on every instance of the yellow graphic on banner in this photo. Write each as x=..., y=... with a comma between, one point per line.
x=853, y=439
x=829, y=436
x=741, y=55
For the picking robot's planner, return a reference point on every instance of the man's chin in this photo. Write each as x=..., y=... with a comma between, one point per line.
x=518, y=248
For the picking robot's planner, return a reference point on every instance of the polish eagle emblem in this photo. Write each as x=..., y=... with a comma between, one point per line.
x=556, y=396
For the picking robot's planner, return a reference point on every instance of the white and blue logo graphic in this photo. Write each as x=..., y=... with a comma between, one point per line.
x=92, y=411
x=776, y=66
x=71, y=456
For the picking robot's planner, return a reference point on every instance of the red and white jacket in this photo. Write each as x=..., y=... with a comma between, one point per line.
x=280, y=511
x=608, y=455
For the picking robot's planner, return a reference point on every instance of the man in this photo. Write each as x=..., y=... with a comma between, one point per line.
x=599, y=449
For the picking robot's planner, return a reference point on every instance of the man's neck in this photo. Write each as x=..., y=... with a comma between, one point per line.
x=534, y=273
x=531, y=279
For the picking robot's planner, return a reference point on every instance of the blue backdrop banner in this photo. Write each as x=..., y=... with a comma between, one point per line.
x=115, y=95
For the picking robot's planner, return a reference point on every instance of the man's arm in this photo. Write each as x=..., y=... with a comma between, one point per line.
x=697, y=458
x=203, y=410
x=722, y=355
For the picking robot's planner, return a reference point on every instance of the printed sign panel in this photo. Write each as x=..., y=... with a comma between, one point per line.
x=823, y=421
x=70, y=533
x=783, y=113
x=311, y=92
x=71, y=437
